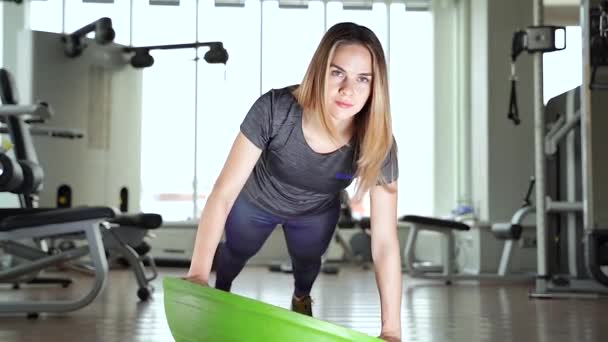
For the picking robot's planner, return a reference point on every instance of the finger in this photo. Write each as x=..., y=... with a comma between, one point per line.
x=196, y=280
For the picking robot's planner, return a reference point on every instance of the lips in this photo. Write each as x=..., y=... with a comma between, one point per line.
x=345, y=105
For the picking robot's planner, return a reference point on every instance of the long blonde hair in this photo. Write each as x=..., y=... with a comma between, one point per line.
x=373, y=128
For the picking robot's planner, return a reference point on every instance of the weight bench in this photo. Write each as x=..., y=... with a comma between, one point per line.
x=49, y=224
x=510, y=232
x=23, y=176
x=126, y=231
x=120, y=235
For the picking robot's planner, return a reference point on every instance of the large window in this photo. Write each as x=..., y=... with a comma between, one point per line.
x=192, y=110
x=168, y=132
x=285, y=57
x=79, y=14
x=562, y=70
x=375, y=19
x=161, y=24
x=409, y=49
x=47, y=15
x=168, y=109
x=411, y=82
x=225, y=93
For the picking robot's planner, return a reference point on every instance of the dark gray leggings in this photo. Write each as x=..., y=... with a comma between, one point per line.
x=248, y=226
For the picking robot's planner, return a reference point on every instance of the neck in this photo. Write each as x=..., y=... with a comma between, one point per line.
x=343, y=128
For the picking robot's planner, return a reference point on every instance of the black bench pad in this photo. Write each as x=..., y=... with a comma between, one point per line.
x=142, y=220
x=432, y=221
x=55, y=216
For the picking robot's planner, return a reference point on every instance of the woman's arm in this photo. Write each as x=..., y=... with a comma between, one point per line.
x=386, y=256
x=237, y=168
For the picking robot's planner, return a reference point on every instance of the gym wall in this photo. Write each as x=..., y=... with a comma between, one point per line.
x=6, y=55
x=2, y=35
x=100, y=95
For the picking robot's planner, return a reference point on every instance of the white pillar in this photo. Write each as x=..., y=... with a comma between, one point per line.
x=502, y=154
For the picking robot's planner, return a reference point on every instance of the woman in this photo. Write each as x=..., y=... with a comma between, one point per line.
x=297, y=149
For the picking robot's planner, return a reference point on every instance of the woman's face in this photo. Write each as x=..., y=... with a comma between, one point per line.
x=349, y=81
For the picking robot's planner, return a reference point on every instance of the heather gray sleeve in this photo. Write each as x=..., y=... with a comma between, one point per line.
x=390, y=167
x=257, y=125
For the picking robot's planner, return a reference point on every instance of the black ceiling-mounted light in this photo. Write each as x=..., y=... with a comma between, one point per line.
x=142, y=59
x=104, y=34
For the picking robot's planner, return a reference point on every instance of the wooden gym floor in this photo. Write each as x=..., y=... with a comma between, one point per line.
x=431, y=311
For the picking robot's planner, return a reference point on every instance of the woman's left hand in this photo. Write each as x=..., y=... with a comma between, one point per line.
x=389, y=338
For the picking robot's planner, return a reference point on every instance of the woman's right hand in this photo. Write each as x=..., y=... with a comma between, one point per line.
x=196, y=279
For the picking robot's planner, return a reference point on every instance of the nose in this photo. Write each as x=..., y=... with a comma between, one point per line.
x=346, y=87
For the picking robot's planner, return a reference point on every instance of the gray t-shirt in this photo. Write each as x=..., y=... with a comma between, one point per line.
x=290, y=178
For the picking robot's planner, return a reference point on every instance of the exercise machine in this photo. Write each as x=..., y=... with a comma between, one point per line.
x=24, y=177
x=584, y=206
x=509, y=232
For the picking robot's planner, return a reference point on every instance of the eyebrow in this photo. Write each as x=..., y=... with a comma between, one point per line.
x=341, y=69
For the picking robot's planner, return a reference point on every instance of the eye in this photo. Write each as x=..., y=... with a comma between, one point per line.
x=337, y=73
x=364, y=79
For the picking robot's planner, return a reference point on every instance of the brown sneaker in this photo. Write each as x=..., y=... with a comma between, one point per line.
x=303, y=305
